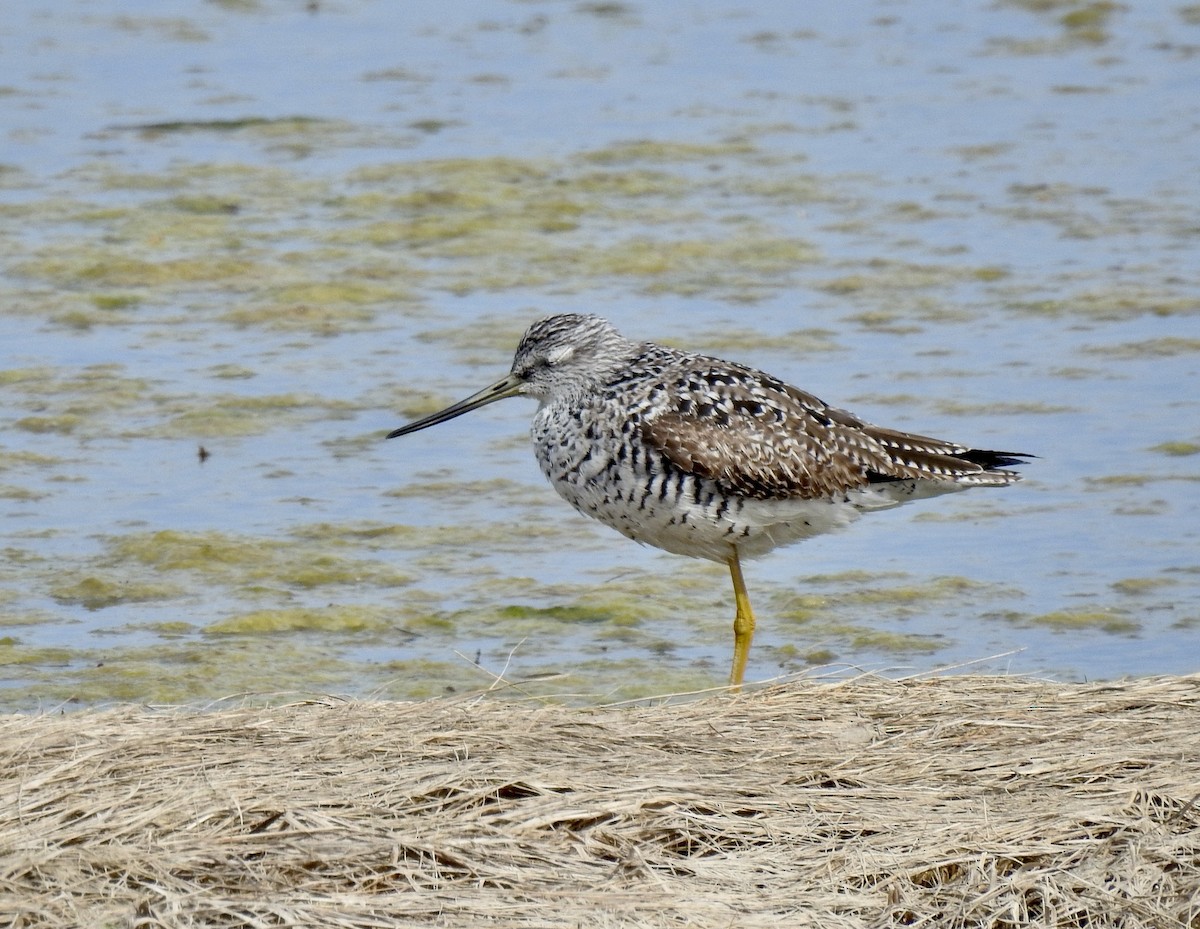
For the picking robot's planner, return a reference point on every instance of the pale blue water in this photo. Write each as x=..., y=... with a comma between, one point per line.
x=940, y=138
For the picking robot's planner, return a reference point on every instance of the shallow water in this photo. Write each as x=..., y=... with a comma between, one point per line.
x=969, y=221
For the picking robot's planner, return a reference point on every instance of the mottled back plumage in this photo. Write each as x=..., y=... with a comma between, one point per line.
x=708, y=458
x=758, y=437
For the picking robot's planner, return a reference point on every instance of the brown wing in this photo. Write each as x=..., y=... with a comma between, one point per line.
x=758, y=437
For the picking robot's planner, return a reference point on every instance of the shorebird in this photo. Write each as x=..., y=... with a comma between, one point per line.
x=709, y=458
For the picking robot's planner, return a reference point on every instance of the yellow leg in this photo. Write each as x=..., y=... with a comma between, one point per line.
x=743, y=624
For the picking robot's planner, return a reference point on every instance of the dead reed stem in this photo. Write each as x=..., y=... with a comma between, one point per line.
x=961, y=801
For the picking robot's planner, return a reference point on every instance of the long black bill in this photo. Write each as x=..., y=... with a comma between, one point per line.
x=508, y=387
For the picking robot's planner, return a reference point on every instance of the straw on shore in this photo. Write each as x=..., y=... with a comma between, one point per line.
x=958, y=801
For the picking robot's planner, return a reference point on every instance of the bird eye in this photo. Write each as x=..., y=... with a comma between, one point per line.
x=558, y=355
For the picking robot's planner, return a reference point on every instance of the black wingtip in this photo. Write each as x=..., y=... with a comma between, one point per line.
x=989, y=460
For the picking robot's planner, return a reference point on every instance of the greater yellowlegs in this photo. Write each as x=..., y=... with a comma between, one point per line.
x=708, y=458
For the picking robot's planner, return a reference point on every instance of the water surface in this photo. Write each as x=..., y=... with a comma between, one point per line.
x=968, y=220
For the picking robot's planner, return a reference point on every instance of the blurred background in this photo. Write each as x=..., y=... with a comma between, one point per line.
x=242, y=240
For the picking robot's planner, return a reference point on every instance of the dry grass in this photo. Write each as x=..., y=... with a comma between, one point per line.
x=963, y=801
